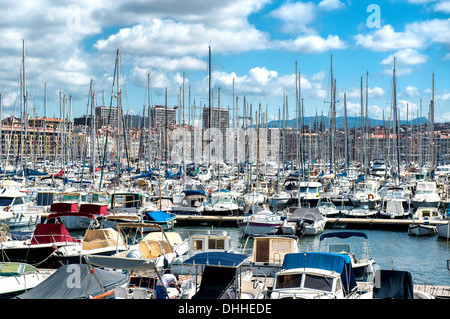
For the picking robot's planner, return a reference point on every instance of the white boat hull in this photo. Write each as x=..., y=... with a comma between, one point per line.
x=422, y=230
x=444, y=230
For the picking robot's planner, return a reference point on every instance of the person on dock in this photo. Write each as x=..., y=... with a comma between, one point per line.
x=165, y=281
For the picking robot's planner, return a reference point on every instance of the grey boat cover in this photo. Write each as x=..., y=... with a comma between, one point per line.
x=310, y=214
x=393, y=284
x=76, y=281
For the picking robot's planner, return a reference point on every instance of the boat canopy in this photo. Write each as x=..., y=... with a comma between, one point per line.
x=219, y=259
x=339, y=263
x=344, y=234
x=61, y=207
x=158, y=216
x=51, y=233
x=100, y=238
x=305, y=214
x=191, y=192
x=99, y=209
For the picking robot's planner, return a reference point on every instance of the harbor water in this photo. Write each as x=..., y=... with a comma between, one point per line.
x=424, y=257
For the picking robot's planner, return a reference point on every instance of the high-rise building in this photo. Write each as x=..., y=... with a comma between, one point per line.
x=160, y=113
x=220, y=118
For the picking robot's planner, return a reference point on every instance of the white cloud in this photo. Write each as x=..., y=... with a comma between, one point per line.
x=171, y=38
x=436, y=30
x=386, y=39
x=312, y=44
x=412, y=91
x=405, y=57
x=296, y=16
x=331, y=4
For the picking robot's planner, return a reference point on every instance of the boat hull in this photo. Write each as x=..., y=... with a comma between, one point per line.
x=422, y=230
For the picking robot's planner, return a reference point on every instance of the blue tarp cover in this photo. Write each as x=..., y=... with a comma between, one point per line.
x=190, y=192
x=334, y=262
x=159, y=216
x=344, y=234
x=217, y=259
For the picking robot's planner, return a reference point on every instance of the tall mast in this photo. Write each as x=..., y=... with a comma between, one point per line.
x=432, y=141
x=395, y=122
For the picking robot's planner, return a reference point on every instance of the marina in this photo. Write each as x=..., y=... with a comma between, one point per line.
x=222, y=202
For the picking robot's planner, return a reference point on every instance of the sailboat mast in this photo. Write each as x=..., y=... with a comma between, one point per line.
x=433, y=145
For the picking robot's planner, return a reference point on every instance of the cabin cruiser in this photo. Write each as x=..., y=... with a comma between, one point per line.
x=393, y=209
x=14, y=210
x=261, y=222
x=366, y=193
x=192, y=204
x=268, y=253
x=307, y=194
x=426, y=195
x=222, y=203
x=362, y=264
x=16, y=278
x=327, y=208
x=304, y=222
x=314, y=275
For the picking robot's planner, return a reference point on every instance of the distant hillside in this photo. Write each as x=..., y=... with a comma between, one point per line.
x=351, y=122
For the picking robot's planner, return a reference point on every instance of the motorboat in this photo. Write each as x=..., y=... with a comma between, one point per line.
x=164, y=219
x=95, y=242
x=363, y=211
x=279, y=199
x=307, y=194
x=202, y=243
x=192, y=204
x=159, y=248
x=16, y=278
x=393, y=209
x=222, y=203
x=426, y=195
x=304, y=222
x=444, y=228
x=268, y=253
x=426, y=212
x=362, y=264
x=80, y=221
x=327, y=208
x=38, y=249
x=262, y=222
x=423, y=228
x=314, y=275
x=222, y=277
x=14, y=210
x=254, y=198
x=366, y=194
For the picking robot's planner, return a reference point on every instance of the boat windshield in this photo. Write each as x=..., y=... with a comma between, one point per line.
x=6, y=201
x=318, y=282
x=15, y=269
x=289, y=281
x=339, y=248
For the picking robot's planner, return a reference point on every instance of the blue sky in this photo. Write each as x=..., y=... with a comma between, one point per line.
x=254, y=42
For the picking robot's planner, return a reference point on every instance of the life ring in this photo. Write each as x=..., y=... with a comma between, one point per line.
x=370, y=196
x=6, y=209
x=210, y=190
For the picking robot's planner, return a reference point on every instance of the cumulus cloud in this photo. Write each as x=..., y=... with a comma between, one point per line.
x=405, y=57
x=331, y=4
x=386, y=39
